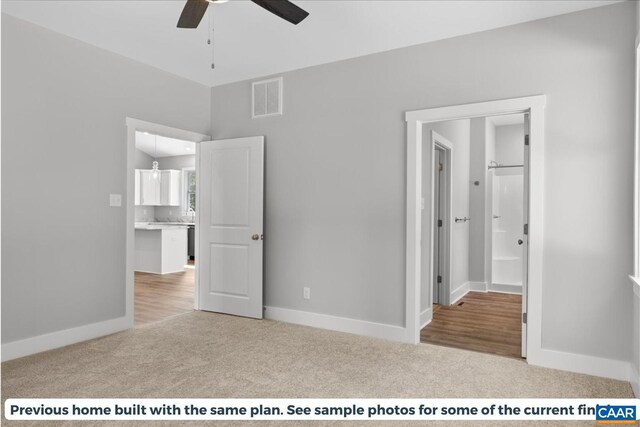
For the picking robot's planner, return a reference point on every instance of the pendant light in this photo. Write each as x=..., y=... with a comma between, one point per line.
x=154, y=165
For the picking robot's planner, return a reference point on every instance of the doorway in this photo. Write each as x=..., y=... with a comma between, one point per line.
x=229, y=191
x=162, y=262
x=164, y=239
x=529, y=316
x=481, y=306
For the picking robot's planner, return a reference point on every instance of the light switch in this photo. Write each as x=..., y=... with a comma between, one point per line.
x=115, y=200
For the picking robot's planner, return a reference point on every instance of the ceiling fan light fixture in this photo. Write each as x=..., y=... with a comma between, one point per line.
x=217, y=1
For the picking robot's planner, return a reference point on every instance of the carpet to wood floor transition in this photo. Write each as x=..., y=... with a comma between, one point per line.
x=207, y=355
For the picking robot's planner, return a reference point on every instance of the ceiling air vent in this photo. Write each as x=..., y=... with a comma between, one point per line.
x=267, y=98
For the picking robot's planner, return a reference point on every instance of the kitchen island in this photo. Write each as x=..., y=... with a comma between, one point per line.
x=160, y=248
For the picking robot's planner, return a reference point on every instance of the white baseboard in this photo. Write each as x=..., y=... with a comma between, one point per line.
x=335, y=323
x=506, y=288
x=635, y=381
x=27, y=346
x=459, y=292
x=478, y=286
x=426, y=316
x=580, y=363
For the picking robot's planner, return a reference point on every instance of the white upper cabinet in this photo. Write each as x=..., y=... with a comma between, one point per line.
x=170, y=187
x=149, y=188
x=163, y=190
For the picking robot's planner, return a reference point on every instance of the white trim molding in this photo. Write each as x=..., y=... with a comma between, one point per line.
x=635, y=282
x=459, y=292
x=426, y=316
x=335, y=323
x=506, y=288
x=27, y=346
x=465, y=288
x=635, y=337
x=438, y=141
x=580, y=363
x=478, y=287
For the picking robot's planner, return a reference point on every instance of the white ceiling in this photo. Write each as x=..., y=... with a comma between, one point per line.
x=166, y=147
x=250, y=42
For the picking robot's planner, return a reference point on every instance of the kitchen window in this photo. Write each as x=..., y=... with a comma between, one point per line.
x=189, y=202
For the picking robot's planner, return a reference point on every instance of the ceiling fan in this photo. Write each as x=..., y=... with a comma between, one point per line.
x=194, y=11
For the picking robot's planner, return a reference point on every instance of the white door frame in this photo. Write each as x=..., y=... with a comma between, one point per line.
x=534, y=105
x=134, y=125
x=439, y=141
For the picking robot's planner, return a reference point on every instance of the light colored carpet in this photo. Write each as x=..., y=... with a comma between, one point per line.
x=207, y=355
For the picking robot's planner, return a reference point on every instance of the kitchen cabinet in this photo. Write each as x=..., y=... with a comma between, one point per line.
x=162, y=190
x=170, y=181
x=160, y=249
x=149, y=188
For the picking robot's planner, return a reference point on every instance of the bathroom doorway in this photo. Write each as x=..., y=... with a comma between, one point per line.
x=481, y=306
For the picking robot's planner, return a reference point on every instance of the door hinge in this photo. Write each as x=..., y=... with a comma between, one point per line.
x=526, y=229
x=526, y=140
x=524, y=318
x=440, y=166
x=439, y=223
x=439, y=279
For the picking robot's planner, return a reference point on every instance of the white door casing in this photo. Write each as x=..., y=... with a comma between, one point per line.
x=525, y=235
x=231, y=190
x=443, y=234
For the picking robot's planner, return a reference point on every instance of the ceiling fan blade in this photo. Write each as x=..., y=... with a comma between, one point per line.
x=192, y=13
x=284, y=9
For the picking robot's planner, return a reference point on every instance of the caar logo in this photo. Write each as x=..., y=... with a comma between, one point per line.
x=616, y=415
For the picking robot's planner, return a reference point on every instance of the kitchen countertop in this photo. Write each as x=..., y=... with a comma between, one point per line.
x=160, y=226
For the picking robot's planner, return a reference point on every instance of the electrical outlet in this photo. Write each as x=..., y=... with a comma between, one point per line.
x=306, y=293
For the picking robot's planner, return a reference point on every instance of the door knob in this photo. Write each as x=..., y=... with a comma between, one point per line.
x=520, y=241
x=255, y=237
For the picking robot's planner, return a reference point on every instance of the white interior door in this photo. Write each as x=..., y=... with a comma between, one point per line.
x=230, y=208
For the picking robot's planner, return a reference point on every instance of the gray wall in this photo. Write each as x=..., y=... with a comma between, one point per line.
x=480, y=201
x=177, y=162
x=336, y=169
x=64, y=105
x=509, y=147
x=142, y=160
x=457, y=132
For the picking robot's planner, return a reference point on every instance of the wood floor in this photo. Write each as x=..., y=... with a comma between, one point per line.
x=485, y=322
x=158, y=296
